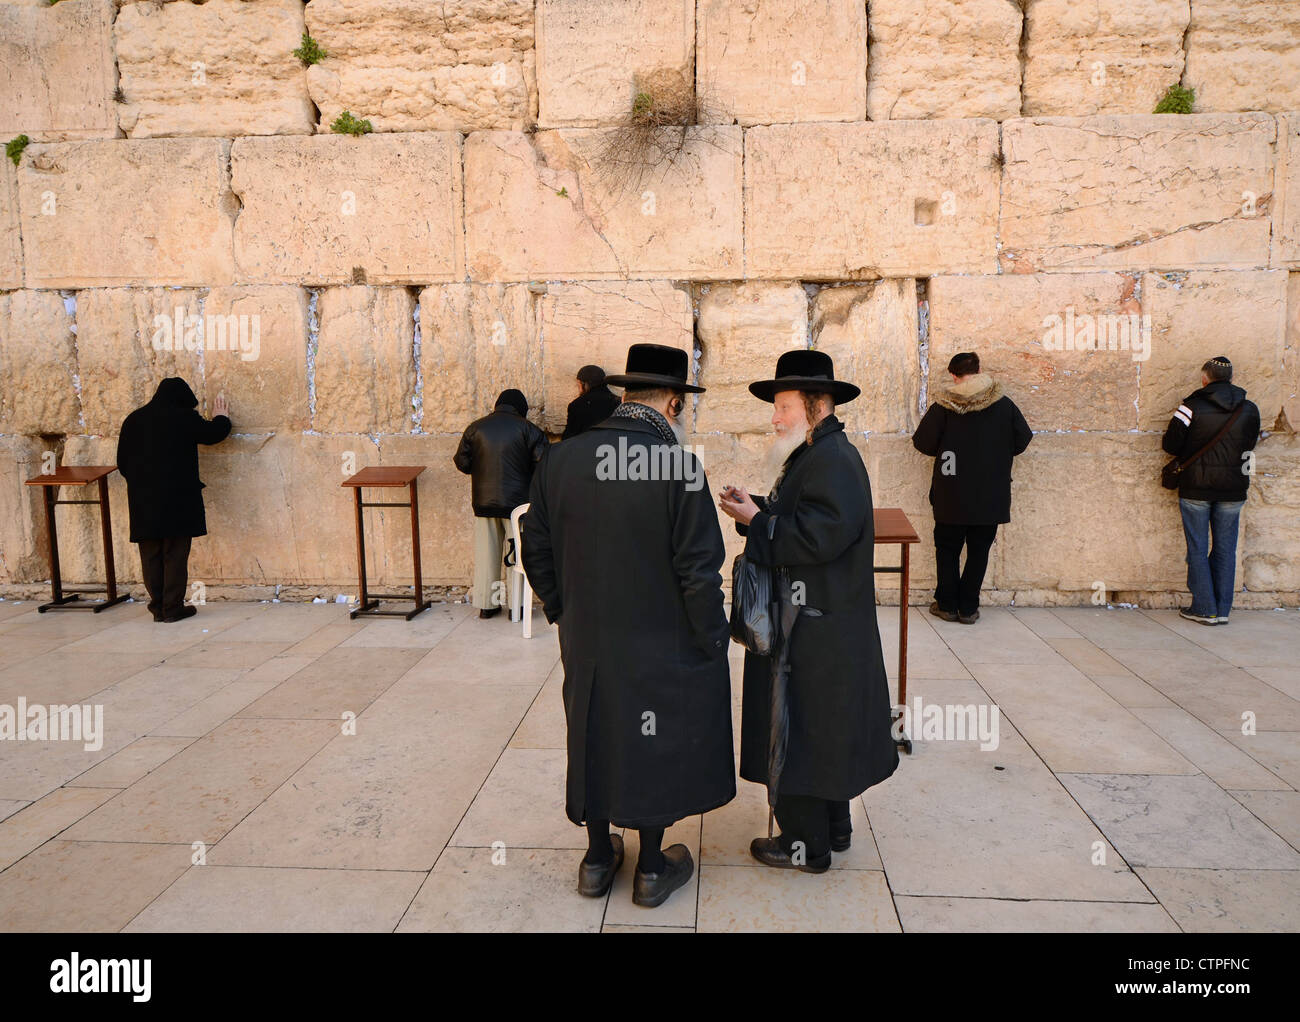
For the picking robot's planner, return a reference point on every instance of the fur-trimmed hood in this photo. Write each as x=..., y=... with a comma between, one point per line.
x=973, y=394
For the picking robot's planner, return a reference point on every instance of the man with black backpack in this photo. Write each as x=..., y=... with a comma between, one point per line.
x=1210, y=434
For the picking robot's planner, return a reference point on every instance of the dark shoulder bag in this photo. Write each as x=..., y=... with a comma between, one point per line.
x=1169, y=475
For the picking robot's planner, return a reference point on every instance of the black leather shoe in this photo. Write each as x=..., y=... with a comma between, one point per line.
x=969, y=619
x=841, y=836
x=768, y=851
x=939, y=612
x=650, y=890
x=491, y=612
x=181, y=615
x=594, y=881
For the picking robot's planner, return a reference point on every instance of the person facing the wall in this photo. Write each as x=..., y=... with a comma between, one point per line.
x=158, y=456
x=498, y=452
x=1212, y=431
x=595, y=402
x=973, y=431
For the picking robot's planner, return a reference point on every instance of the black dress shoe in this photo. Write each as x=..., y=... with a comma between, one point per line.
x=768, y=851
x=491, y=612
x=841, y=835
x=594, y=881
x=650, y=890
x=180, y=615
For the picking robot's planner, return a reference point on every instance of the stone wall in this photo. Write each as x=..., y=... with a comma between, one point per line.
x=890, y=182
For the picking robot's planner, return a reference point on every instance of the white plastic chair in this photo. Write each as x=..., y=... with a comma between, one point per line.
x=521, y=593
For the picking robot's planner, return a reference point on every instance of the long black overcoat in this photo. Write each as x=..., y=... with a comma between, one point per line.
x=630, y=571
x=158, y=456
x=820, y=529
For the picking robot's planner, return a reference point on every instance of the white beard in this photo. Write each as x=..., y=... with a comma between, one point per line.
x=679, y=431
x=779, y=448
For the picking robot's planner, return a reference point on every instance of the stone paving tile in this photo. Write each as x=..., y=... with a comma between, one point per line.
x=45, y=818
x=218, y=652
x=1161, y=820
x=86, y=886
x=544, y=726
x=425, y=631
x=735, y=899
x=1262, y=639
x=1279, y=751
x=344, y=679
x=1285, y=679
x=522, y=804
x=61, y=676
x=991, y=915
x=123, y=769
x=1220, y=760
x=254, y=899
x=1235, y=900
x=1117, y=628
x=1277, y=810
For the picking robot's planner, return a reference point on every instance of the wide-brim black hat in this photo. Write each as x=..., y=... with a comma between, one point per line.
x=655, y=365
x=805, y=369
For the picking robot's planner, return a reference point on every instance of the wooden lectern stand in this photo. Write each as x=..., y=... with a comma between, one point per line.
x=388, y=476
x=78, y=475
x=892, y=526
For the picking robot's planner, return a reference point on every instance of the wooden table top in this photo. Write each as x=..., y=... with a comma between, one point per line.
x=385, y=475
x=892, y=526
x=72, y=475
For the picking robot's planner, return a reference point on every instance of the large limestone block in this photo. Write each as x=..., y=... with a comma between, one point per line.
x=743, y=329
x=1286, y=216
x=128, y=340
x=764, y=63
x=380, y=209
x=262, y=365
x=38, y=363
x=1244, y=56
x=871, y=333
x=409, y=65
x=1195, y=316
x=1163, y=191
x=446, y=517
x=11, y=241
x=23, y=544
x=900, y=477
x=731, y=459
x=1103, y=57
x=477, y=340
x=1269, y=537
x=590, y=56
x=1089, y=508
x=365, y=360
x=858, y=201
x=1047, y=338
x=943, y=58
x=558, y=204
x=126, y=211
x=56, y=70
x=1291, y=354
x=224, y=67
x=595, y=324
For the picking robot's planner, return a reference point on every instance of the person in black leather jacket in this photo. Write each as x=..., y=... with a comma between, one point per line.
x=1212, y=488
x=498, y=452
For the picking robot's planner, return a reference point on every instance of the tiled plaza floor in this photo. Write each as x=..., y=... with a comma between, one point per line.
x=1123, y=794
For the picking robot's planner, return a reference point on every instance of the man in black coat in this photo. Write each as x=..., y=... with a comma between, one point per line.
x=595, y=402
x=498, y=452
x=622, y=545
x=816, y=532
x=158, y=456
x=973, y=431
x=1212, y=488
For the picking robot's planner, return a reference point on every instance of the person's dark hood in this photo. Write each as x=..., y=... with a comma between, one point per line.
x=175, y=391
x=1222, y=393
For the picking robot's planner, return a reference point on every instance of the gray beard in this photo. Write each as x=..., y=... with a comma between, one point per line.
x=679, y=431
x=779, y=448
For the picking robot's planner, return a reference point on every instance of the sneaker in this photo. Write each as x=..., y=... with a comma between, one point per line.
x=1222, y=619
x=1200, y=619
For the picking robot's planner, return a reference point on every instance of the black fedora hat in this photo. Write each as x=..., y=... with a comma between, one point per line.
x=805, y=369
x=655, y=365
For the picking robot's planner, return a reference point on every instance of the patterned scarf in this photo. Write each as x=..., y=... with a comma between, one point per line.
x=636, y=410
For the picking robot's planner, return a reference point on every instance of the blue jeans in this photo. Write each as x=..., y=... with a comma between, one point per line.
x=1211, y=572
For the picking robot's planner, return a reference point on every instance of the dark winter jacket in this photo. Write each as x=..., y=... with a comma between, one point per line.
x=818, y=526
x=1219, y=473
x=973, y=432
x=158, y=456
x=630, y=568
x=585, y=410
x=499, y=452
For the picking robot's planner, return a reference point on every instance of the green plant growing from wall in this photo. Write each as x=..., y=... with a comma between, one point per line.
x=310, y=52
x=15, y=146
x=1176, y=100
x=346, y=124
